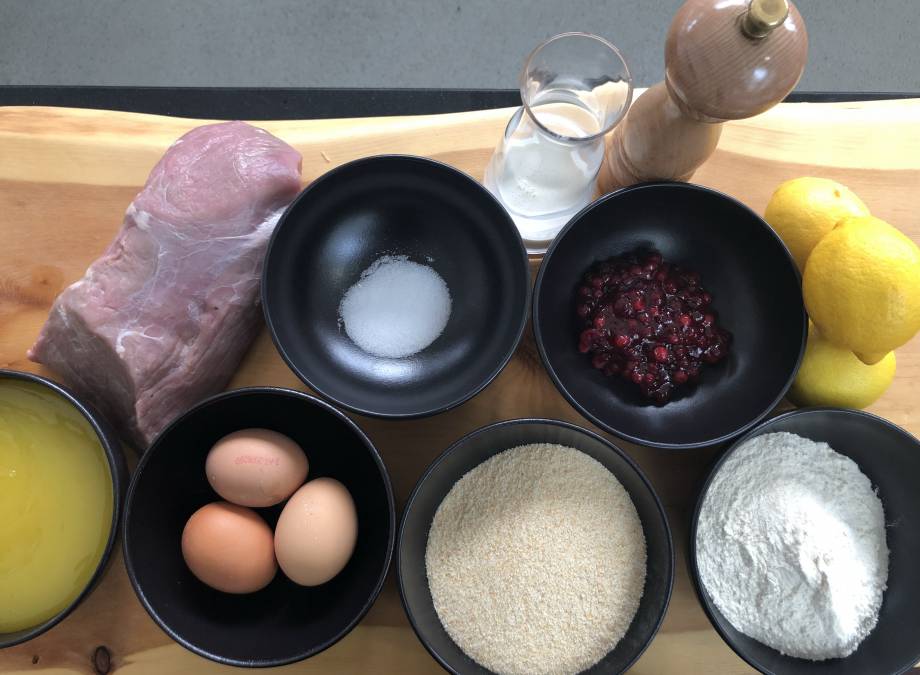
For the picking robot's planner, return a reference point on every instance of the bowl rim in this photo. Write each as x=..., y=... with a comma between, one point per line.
x=115, y=461
x=606, y=426
x=457, y=446
x=318, y=184
x=391, y=538
x=716, y=465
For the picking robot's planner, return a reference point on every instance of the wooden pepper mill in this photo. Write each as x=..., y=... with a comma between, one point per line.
x=724, y=60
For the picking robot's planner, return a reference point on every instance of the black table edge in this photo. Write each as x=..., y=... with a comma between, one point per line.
x=261, y=103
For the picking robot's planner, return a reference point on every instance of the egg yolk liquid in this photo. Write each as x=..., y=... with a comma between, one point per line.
x=55, y=504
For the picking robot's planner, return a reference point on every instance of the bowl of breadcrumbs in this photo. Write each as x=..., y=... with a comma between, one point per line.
x=532, y=547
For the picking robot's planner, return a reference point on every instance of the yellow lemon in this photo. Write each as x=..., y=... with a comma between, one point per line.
x=803, y=210
x=832, y=375
x=862, y=287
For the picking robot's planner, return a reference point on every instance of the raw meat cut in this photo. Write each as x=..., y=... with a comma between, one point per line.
x=163, y=318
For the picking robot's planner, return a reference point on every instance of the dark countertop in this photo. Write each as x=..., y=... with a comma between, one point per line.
x=261, y=103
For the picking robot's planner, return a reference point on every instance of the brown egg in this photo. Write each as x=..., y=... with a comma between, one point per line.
x=316, y=532
x=256, y=467
x=229, y=548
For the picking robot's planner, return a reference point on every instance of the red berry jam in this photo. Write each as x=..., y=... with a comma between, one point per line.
x=650, y=322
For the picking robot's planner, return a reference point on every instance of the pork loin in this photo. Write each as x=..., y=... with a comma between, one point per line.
x=163, y=318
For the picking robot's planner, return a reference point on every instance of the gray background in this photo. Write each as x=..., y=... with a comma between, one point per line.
x=856, y=45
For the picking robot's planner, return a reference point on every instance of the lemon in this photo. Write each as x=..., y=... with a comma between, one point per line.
x=832, y=375
x=803, y=210
x=862, y=287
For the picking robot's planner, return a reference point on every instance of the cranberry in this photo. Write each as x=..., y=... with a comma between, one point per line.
x=663, y=394
x=644, y=319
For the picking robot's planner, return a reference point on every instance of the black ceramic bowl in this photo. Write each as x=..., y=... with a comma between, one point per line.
x=283, y=622
x=396, y=205
x=890, y=457
x=472, y=450
x=756, y=291
x=118, y=471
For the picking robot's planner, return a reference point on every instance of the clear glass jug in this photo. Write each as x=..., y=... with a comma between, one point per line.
x=575, y=87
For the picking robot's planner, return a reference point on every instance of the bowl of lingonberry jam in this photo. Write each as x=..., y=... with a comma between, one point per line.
x=670, y=315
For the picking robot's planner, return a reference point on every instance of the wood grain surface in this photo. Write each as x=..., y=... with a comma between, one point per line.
x=66, y=177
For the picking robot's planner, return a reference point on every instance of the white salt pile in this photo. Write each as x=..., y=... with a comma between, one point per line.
x=396, y=309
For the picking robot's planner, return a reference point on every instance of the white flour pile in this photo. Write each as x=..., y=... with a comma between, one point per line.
x=396, y=309
x=536, y=561
x=791, y=546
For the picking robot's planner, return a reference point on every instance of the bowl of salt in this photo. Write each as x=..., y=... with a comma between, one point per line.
x=396, y=287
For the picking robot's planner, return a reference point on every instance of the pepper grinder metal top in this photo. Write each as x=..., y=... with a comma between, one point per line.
x=724, y=60
x=763, y=16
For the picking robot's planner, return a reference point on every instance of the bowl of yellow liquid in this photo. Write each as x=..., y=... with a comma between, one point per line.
x=62, y=483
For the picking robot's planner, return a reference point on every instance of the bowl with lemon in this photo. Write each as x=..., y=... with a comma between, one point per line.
x=861, y=287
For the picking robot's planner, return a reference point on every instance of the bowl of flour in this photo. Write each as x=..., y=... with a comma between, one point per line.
x=803, y=545
x=534, y=547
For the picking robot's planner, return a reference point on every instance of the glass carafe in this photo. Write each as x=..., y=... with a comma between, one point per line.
x=575, y=88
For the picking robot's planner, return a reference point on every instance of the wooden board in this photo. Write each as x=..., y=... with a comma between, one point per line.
x=66, y=177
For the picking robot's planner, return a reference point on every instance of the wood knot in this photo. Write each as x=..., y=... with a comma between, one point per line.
x=35, y=660
x=527, y=351
x=102, y=660
x=39, y=290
